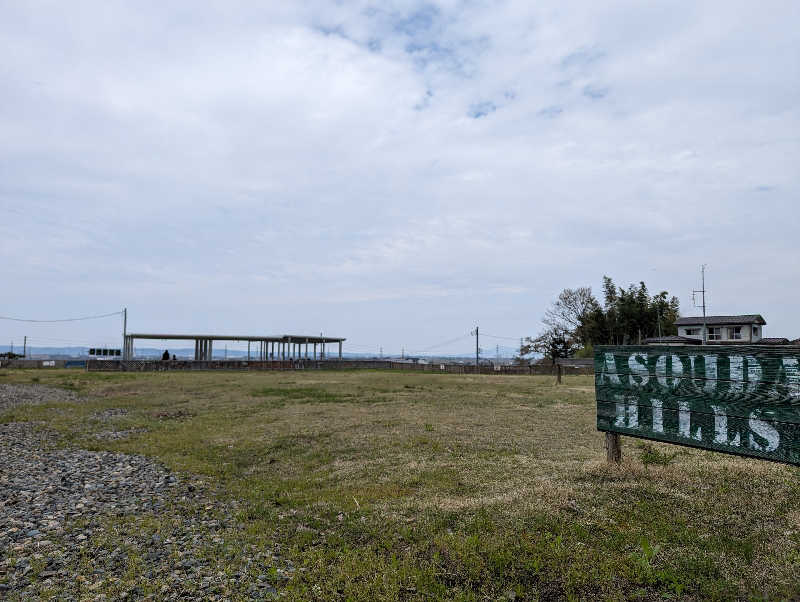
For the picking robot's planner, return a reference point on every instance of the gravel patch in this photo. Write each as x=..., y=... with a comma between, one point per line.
x=115, y=435
x=102, y=525
x=17, y=395
x=110, y=414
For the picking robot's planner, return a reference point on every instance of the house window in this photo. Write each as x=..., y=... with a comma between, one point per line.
x=715, y=334
x=755, y=331
x=735, y=333
x=692, y=332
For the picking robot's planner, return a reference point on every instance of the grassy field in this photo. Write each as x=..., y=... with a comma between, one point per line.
x=425, y=486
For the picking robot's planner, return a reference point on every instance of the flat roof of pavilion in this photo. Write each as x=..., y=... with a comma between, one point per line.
x=282, y=338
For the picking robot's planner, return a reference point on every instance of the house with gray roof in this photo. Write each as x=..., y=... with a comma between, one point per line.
x=723, y=330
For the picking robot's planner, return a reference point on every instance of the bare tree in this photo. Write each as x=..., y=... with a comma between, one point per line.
x=569, y=311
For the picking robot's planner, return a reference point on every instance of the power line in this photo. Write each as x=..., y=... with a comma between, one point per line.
x=494, y=336
x=116, y=313
x=442, y=344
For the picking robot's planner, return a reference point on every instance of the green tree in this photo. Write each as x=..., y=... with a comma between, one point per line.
x=576, y=320
x=553, y=343
x=632, y=315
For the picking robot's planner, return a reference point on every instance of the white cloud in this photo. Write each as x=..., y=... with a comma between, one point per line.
x=286, y=160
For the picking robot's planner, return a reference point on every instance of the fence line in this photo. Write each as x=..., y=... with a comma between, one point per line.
x=305, y=364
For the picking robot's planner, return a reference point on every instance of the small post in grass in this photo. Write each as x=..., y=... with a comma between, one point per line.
x=613, y=448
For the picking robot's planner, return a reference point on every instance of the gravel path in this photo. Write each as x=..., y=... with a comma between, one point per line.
x=15, y=395
x=100, y=525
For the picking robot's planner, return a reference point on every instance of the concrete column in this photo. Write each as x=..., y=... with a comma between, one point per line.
x=315, y=351
x=306, y=348
x=340, y=350
x=210, y=349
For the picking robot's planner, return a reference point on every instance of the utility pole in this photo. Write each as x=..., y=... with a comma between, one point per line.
x=125, y=334
x=25, y=348
x=477, y=349
x=702, y=291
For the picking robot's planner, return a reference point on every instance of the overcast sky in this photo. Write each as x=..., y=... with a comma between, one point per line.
x=392, y=172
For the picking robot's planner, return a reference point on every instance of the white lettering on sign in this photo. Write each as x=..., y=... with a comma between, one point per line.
x=678, y=393
x=792, y=375
x=711, y=372
x=611, y=369
x=638, y=365
x=753, y=373
x=721, y=435
x=737, y=373
x=48, y=364
x=658, y=415
x=685, y=422
x=627, y=414
x=765, y=431
x=677, y=371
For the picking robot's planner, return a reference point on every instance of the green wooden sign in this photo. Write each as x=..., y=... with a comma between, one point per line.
x=742, y=399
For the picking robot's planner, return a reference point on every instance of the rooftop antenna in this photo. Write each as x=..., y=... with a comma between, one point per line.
x=702, y=292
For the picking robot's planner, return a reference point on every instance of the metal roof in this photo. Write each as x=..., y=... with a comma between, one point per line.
x=721, y=320
x=772, y=341
x=281, y=338
x=673, y=339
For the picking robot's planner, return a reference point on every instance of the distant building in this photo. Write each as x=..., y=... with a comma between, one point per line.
x=721, y=330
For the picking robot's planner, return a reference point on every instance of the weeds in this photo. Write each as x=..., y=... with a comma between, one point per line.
x=650, y=456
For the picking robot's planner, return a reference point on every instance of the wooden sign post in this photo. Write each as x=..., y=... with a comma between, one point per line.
x=742, y=400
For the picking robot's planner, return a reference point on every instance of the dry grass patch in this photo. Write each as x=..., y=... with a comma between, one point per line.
x=436, y=486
